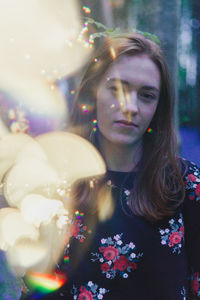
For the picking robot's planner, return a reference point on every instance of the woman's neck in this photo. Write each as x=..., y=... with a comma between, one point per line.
x=118, y=157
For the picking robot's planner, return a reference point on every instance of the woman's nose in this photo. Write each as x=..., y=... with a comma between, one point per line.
x=130, y=103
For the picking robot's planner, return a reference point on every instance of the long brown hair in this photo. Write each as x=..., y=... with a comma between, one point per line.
x=159, y=188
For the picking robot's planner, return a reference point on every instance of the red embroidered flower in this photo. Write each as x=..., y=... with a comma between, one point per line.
x=192, y=178
x=74, y=230
x=195, y=283
x=101, y=249
x=197, y=191
x=82, y=289
x=105, y=267
x=182, y=230
x=110, y=252
x=191, y=197
x=85, y=295
x=175, y=238
x=132, y=265
x=121, y=263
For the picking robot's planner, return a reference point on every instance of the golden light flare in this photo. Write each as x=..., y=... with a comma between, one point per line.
x=27, y=254
x=13, y=227
x=105, y=203
x=123, y=97
x=55, y=238
x=36, y=36
x=72, y=156
x=39, y=47
x=3, y=129
x=25, y=176
x=37, y=209
x=35, y=233
x=112, y=52
x=10, y=146
x=31, y=149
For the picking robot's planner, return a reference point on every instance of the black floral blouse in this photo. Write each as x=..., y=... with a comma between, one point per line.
x=132, y=258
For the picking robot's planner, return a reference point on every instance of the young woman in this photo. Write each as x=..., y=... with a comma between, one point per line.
x=132, y=245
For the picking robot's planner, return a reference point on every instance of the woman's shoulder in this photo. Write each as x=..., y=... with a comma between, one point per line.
x=189, y=168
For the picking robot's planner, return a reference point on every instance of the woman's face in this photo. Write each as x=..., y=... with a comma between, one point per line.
x=127, y=98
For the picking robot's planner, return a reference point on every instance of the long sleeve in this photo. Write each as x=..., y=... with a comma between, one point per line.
x=192, y=226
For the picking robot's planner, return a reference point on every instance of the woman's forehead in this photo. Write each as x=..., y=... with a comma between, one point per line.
x=134, y=69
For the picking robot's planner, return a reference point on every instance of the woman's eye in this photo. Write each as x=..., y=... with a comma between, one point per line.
x=113, y=88
x=147, y=96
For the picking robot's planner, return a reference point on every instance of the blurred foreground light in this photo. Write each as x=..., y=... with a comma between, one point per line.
x=26, y=254
x=71, y=156
x=10, y=146
x=37, y=209
x=3, y=129
x=36, y=180
x=39, y=46
x=105, y=203
x=13, y=227
x=25, y=176
x=36, y=36
x=29, y=105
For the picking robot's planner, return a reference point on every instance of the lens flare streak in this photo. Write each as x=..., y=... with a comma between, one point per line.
x=86, y=9
x=45, y=283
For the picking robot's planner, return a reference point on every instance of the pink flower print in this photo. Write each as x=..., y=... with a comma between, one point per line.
x=105, y=267
x=103, y=241
x=131, y=245
x=191, y=177
x=195, y=286
x=132, y=265
x=90, y=291
x=85, y=295
x=110, y=252
x=117, y=237
x=121, y=263
x=74, y=230
x=175, y=238
x=182, y=230
x=116, y=258
x=197, y=191
x=195, y=283
x=101, y=249
x=163, y=242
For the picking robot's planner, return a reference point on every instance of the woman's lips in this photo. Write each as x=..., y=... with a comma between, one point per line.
x=126, y=123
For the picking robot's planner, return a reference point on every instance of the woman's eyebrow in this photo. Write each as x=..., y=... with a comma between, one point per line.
x=127, y=83
x=150, y=88
x=119, y=80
